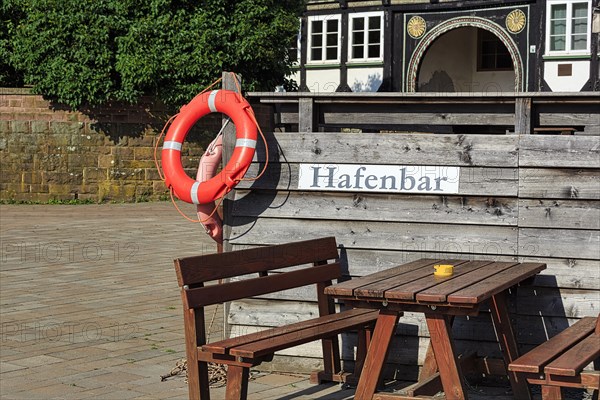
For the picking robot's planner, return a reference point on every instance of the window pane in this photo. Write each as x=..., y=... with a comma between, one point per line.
x=503, y=61
x=358, y=24
x=374, y=22
x=358, y=52
x=332, y=53
x=488, y=61
x=374, y=37
x=488, y=47
x=316, y=54
x=558, y=11
x=579, y=26
x=317, y=40
x=332, y=39
x=358, y=38
x=580, y=10
x=557, y=43
x=579, y=42
x=374, y=51
x=332, y=25
x=558, y=27
x=317, y=26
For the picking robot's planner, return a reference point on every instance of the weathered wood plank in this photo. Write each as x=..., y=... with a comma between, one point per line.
x=424, y=118
x=559, y=151
x=380, y=235
x=559, y=243
x=555, y=302
x=397, y=148
x=474, y=181
x=555, y=183
x=567, y=273
x=377, y=207
x=569, y=214
x=568, y=119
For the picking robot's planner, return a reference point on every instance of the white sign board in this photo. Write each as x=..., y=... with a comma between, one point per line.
x=379, y=178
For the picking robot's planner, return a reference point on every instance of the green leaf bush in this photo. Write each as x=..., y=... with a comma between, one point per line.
x=87, y=53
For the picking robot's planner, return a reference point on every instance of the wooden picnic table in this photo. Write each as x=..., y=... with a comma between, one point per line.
x=413, y=287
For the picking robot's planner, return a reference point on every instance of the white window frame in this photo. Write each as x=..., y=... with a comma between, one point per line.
x=366, y=16
x=568, y=29
x=324, y=18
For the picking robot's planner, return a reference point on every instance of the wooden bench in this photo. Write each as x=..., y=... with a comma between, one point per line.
x=243, y=352
x=559, y=362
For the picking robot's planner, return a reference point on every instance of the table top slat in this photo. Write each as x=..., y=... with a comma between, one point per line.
x=379, y=289
x=440, y=292
x=411, y=290
x=476, y=293
x=347, y=288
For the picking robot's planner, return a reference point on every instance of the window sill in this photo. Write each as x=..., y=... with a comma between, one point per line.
x=322, y=66
x=365, y=63
x=550, y=57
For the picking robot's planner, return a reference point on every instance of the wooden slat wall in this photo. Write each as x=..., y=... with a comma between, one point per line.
x=521, y=197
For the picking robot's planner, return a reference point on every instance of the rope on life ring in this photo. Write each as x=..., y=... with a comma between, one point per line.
x=208, y=185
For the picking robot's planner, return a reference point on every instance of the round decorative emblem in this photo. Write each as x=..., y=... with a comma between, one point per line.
x=515, y=21
x=416, y=27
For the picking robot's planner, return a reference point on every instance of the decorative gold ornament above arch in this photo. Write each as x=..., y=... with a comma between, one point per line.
x=460, y=22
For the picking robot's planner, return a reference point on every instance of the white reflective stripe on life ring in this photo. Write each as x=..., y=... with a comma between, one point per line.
x=172, y=145
x=211, y=101
x=194, y=193
x=245, y=143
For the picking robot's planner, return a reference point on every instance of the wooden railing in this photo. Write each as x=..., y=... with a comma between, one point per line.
x=521, y=113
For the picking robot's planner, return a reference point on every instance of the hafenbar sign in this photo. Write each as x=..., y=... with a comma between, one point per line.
x=379, y=178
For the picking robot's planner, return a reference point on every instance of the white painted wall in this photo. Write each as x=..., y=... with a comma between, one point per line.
x=573, y=83
x=365, y=79
x=323, y=80
x=450, y=65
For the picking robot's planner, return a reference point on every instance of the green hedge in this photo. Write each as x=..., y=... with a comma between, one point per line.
x=90, y=52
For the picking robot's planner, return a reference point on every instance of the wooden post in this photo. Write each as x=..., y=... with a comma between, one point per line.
x=229, y=139
x=228, y=83
x=306, y=115
x=523, y=116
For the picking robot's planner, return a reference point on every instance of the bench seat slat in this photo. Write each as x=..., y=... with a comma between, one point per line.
x=272, y=344
x=535, y=360
x=207, y=295
x=576, y=358
x=223, y=346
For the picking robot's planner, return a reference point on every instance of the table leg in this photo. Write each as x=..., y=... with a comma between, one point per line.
x=451, y=375
x=385, y=328
x=508, y=344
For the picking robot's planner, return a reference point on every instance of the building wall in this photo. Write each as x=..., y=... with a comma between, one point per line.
x=48, y=152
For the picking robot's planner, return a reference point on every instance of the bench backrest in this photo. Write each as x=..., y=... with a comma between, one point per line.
x=193, y=272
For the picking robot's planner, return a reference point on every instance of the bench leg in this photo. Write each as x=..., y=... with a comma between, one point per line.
x=551, y=393
x=237, y=382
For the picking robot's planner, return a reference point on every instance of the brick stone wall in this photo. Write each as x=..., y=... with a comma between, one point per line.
x=48, y=152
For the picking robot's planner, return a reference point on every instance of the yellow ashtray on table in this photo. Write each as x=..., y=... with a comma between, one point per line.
x=443, y=270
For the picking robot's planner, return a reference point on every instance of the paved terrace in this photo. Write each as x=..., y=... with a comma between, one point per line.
x=90, y=307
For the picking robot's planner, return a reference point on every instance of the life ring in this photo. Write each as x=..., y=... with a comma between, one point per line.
x=235, y=107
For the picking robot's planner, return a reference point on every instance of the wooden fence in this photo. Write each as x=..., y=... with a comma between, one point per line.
x=525, y=193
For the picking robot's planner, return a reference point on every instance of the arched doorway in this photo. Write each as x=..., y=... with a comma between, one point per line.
x=466, y=54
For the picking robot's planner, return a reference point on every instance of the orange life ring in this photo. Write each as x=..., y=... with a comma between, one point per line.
x=235, y=107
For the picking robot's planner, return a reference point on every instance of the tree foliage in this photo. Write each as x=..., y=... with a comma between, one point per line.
x=91, y=52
